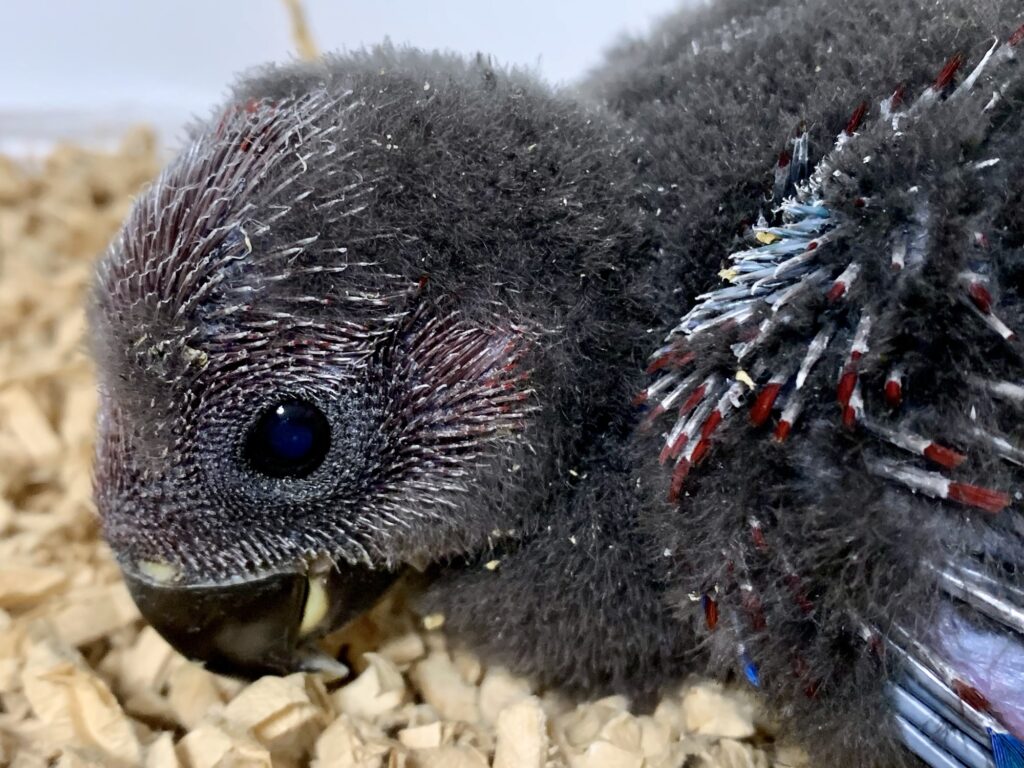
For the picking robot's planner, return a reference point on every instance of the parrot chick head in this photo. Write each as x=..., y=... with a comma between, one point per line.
x=328, y=343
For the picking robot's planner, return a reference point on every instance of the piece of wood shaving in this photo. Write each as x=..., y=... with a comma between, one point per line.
x=25, y=586
x=521, y=735
x=209, y=746
x=80, y=712
x=93, y=612
x=447, y=757
x=422, y=736
x=500, y=689
x=284, y=714
x=443, y=688
x=379, y=689
x=343, y=745
x=708, y=711
x=192, y=692
x=604, y=754
x=161, y=753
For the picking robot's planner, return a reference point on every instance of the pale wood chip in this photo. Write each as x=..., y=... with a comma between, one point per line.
x=404, y=649
x=209, y=746
x=433, y=621
x=23, y=586
x=583, y=725
x=447, y=757
x=147, y=663
x=379, y=689
x=498, y=690
x=94, y=612
x=28, y=424
x=655, y=737
x=708, y=711
x=10, y=674
x=285, y=714
x=341, y=745
x=422, y=736
x=444, y=689
x=469, y=666
x=603, y=754
x=161, y=753
x=6, y=515
x=624, y=732
x=521, y=736
x=790, y=756
x=192, y=693
x=70, y=758
x=80, y=711
x=669, y=713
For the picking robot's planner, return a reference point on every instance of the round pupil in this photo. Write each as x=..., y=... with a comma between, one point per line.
x=289, y=440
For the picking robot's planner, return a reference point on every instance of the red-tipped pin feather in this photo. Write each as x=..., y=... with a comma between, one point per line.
x=710, y=612
x=854, y=408
x=700, y=451
x=847, y=382
x=849, y=417
x=945, y=77
x=762, y=407
x=672, y=450
x=896, y=100
x=975, y=496
x=944, y=456
x=782, y=430
x=981, y=297
x=857, y=118
x=1017, y=37
x=757, y=534
x=693, y=400
x=894, y=389
x=843, y=282
x=678, y=478
x=711, y=424
x=836, y=291
x=673, y=356
x=971, y=696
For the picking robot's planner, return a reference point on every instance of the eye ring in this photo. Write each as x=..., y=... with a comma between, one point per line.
x=290, y=439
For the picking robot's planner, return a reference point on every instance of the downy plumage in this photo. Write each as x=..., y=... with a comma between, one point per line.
x=458, y=273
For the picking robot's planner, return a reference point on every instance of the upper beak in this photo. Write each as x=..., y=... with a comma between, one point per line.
x=264, y=625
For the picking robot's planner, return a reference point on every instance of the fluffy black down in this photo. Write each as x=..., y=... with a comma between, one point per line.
x=716, y=95
x=591, y=222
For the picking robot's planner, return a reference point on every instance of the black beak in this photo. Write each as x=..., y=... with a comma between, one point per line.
x=264, y=625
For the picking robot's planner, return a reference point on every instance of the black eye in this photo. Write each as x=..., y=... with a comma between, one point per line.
x=289, y=440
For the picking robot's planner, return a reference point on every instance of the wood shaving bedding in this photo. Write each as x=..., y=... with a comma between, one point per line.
x=83, y=682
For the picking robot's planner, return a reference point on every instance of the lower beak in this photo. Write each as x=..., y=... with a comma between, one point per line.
x=264, y=625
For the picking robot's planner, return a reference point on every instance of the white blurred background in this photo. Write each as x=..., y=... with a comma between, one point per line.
x=86, y=69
